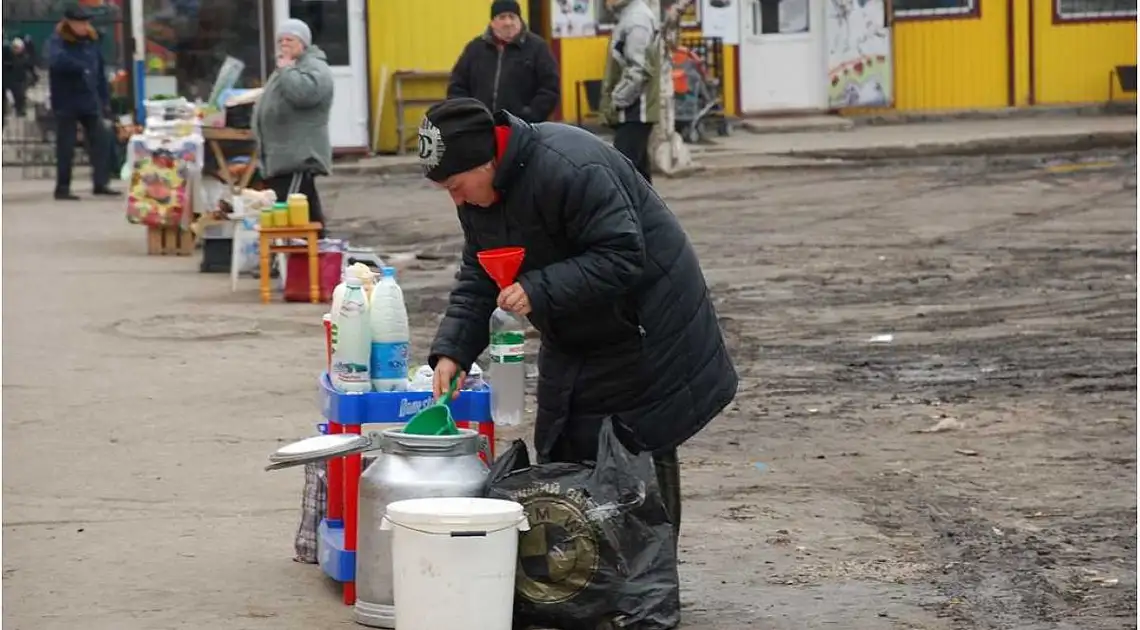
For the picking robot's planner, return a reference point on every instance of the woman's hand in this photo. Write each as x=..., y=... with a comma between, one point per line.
x=446, y=370
x=284, y=61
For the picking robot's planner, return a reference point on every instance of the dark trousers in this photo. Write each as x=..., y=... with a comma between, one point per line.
x=19, y=99
x=95, y=138
x=285, y=184
x=631, y=139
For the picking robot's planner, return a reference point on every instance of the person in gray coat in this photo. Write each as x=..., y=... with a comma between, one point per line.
x=291, y=118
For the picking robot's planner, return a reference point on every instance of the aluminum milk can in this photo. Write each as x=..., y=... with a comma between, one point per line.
x=408, y=467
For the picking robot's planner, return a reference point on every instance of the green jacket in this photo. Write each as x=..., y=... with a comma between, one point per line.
x=291, y=118
x=631, y=86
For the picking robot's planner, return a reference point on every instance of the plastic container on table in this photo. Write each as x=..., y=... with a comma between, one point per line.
x=345, y=413
x=280, y=215
x=454, y=562
x=298, y=205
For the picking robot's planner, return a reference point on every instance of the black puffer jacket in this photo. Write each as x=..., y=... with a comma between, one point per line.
x=520, y=77
x=615, y=288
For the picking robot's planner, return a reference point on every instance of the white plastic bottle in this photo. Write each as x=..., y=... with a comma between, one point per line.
x=507, y=371
x=390, y=335
x=351, y=341
x=357, y=270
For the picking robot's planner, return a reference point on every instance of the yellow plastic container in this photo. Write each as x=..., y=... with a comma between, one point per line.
x=266, y=218
x=298, y=205
x=280, y=215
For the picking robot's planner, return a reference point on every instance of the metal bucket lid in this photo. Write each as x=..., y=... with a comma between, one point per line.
x=395, y=441
x=319, y=448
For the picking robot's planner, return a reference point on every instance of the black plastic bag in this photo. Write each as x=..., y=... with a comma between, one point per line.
x=600, y=552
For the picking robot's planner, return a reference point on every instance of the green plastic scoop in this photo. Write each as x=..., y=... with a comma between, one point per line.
x=435, y=419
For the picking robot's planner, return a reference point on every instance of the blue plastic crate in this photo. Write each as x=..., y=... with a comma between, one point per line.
x=395, y=407
x=334, y=560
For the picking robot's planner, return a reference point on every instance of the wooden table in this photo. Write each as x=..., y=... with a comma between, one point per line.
x=398, y=79
x=266, y=249
x=214, y=136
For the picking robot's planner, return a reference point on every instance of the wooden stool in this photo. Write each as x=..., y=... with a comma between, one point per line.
x=266, y=249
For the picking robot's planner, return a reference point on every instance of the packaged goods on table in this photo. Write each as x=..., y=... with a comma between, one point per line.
x=164, y=170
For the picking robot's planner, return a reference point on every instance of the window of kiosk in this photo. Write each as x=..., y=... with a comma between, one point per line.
x=188, y=40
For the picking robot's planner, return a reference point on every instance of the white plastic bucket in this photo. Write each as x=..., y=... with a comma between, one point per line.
x=453, y=562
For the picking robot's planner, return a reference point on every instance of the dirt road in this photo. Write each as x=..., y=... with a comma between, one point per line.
x=936, y=427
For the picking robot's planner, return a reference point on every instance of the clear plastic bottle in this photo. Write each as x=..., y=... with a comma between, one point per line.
x=507, y=372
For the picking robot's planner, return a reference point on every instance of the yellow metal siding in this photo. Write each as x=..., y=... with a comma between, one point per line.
x=584, y=59
x=1073, y=59
x=952, y=63
x=581, y=59
x=1021, y=57
x=424, y=36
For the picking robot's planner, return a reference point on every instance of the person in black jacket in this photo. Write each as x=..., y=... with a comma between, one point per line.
x=508, y=67
x=19, y=74
x=610, y=280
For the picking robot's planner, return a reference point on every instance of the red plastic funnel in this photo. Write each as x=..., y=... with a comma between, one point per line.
x=502, y=264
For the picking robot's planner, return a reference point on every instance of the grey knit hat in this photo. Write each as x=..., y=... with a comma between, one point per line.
x=297, y=29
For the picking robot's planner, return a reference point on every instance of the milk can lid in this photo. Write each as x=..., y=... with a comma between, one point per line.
x=318, y=448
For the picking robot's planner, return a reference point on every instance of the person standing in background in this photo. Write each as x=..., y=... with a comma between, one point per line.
x=19, y=75
x=508, y=67
x=30, y=46
x=631, y=103
x=80, y=95
x=291, y=118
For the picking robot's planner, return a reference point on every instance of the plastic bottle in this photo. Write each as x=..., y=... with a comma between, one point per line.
x=421, y=380
x=351, y=341
x=507, y=371
x=474, y=380
x=390, y=335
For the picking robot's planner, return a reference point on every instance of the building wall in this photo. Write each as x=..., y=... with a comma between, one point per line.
x=416, y=36
x=584, y=59
x=1004, y=58
x=958, y=62
x=1072, y=60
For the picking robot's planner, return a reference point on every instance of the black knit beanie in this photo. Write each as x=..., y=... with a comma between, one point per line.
x=505, y=6
x=456, y=136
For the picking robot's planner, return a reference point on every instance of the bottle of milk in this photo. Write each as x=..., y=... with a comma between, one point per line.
x=352, y=340
x=390, y=335
x=358, y=270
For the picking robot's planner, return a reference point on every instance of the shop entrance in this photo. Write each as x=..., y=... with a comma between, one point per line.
x=338, y=28
x=782, y=56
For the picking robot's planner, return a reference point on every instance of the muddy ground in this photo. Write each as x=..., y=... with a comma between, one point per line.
x=936, y=427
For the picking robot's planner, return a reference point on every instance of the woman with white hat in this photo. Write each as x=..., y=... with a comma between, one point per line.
x=291, y=118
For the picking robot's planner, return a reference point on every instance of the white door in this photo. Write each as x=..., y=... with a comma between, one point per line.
x=783, y=65
x=338, y=28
